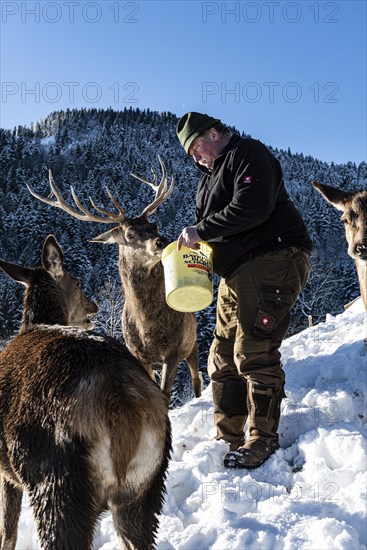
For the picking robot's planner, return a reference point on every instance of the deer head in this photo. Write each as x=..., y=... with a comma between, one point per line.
x=137, y=235
x=64, y=304
x=353, y=204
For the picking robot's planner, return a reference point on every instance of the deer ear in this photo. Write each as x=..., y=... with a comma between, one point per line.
x=53, y=257
x=334, y=196
x=109, y=237
x=16, y=272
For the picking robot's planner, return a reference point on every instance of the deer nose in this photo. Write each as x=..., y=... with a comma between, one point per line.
x=362, y=251
x=95, y=309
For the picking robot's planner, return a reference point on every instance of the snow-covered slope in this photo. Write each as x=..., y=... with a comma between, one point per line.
x=309, y=495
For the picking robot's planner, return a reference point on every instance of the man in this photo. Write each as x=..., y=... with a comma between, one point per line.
x=261, y=251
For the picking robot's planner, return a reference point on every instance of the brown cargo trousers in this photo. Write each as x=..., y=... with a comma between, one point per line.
x=253, y=313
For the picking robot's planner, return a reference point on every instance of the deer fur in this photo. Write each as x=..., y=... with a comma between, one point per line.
x=83, y=429
x=353, y=204
x=153, y=332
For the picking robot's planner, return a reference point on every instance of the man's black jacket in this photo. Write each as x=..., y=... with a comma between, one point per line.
x=243, y=208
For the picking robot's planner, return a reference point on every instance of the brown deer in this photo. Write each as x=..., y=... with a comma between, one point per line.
x=153, y=332
x=353, y=204
x=83, y=429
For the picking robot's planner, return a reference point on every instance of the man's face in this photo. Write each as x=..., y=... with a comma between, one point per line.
x=206, y=148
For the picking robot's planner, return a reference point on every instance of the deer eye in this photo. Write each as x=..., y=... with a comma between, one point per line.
x=129, y=235
x=350, y=217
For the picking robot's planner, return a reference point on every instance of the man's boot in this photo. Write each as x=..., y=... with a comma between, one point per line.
x=264, y=412
x=230, y=411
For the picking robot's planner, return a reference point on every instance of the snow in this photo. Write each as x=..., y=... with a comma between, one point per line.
x=309, y=495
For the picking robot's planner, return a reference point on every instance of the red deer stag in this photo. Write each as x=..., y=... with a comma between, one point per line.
x=353, y=204
x=153, y=332
x=83, y=429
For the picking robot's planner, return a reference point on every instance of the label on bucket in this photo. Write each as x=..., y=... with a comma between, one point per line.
x=188, y=277
x=198, y=266
x=197, y=259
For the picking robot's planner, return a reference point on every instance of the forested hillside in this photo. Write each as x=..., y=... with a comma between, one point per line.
x=91, y=149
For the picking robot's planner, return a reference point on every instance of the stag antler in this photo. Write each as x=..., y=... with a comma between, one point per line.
x=86, y=215
x=162, y=193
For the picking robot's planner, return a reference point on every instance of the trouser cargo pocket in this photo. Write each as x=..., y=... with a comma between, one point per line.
x=272, y=316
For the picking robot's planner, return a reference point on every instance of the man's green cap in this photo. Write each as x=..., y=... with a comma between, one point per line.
x=192, y=125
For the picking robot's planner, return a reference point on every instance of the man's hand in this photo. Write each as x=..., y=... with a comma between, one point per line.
x=189, y=237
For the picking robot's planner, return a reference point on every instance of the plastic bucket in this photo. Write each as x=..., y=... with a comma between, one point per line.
x=188, y=277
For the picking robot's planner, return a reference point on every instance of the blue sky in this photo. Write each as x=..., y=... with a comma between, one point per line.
x=292, y=74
